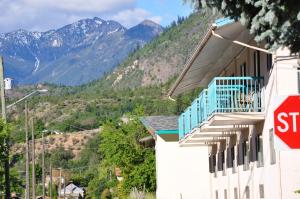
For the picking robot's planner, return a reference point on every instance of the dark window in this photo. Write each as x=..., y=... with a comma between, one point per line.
x=272, y=149
x=261, y=191
x=221, y=161
x=247, y=192
x=217, y=194
x=243, y=70
x=212, y=163
x=253, y=148
x=225, y=194
x=269, y=61
x=246, y=155
x=236, y=193
x=256, y=57
x=230, y=157
x=240, y=159
x=259, y=151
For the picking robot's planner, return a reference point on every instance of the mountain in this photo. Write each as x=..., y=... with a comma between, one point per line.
x=164, y=57
x=74, y=54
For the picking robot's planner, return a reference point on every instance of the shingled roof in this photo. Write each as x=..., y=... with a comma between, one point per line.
x=158, y=123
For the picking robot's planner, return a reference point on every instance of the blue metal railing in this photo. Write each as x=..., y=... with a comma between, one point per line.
x=195, y=113
x=187, y=120
x=203, y=106
x=224, y=94
x=235, y=94
x=181, y=125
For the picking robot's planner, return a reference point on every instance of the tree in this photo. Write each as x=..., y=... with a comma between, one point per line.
x=277, y=22
x=120, y=149
x=4, y=152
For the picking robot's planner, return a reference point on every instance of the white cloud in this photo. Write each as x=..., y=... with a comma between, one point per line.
x=131, y=17
x=80, y=5
x=43, y=15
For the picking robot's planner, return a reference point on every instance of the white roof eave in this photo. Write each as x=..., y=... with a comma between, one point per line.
x=211, y=56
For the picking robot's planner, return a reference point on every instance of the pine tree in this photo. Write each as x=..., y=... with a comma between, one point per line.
x=274, y=21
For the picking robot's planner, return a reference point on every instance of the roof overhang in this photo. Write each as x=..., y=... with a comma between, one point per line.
x=211, y=55
x=161, y=126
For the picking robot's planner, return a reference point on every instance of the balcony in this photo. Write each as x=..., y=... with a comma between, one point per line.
x=228, y=101
x=234, y=94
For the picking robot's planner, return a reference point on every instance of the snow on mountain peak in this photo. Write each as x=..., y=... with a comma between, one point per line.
x=56, y=43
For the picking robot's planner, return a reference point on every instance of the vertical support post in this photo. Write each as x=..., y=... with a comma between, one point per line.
x=2, y=90
x=27, y=194
x=33, y=158
x=64, y=188
x=43, y=164
x=50, y=180
x=3, y=106
x=59, y=188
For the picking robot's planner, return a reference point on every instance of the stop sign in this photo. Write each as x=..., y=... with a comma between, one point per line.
x=287, y=122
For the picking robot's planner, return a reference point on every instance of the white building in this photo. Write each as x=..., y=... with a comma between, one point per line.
x=233, y=114
x=229, y=126
x=8, y=83
x=180, y=172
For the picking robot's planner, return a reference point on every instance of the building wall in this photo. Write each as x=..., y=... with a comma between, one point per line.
x=276, y=180
x=182, y=172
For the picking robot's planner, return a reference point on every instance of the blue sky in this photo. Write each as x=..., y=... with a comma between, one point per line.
x=168, y=10
x=42, y=15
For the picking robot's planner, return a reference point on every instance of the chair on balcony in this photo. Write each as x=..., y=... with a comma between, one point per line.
x=247, y=102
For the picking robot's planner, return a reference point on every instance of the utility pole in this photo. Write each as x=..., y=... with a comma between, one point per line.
x=6, y=161
x=27, y=194
x=50, y=180
x=43, y=164
x=33, y=158
x=59, y=188
x=64, y=187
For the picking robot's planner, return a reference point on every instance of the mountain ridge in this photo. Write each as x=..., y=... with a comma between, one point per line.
x=92, y=46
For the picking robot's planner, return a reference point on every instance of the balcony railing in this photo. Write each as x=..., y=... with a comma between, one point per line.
x=235, y=94
x=224, y=95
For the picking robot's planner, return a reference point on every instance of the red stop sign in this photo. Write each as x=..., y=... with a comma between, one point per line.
x=287, y=122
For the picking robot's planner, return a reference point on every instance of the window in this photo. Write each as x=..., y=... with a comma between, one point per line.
x=236, y=193
x=212, y=163
x=246, y=155
x=247, y=192
x=256, y=56
x=224, y=165
x=272, y=149
x=230, y=159
x=217, y=194
x=221, y=161
x=259, y=151
x=225, y=194
x=261, y=191
x=243, y=70
x=234, y=162
x=240, y=159
x=269, y=61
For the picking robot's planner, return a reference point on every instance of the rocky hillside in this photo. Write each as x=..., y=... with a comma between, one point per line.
x=165, y=56
x=74, y=142
x=74, y=54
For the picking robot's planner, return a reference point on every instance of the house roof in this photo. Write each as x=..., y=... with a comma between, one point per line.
x=72, y=188
x=211, y=55
x=161, y=124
